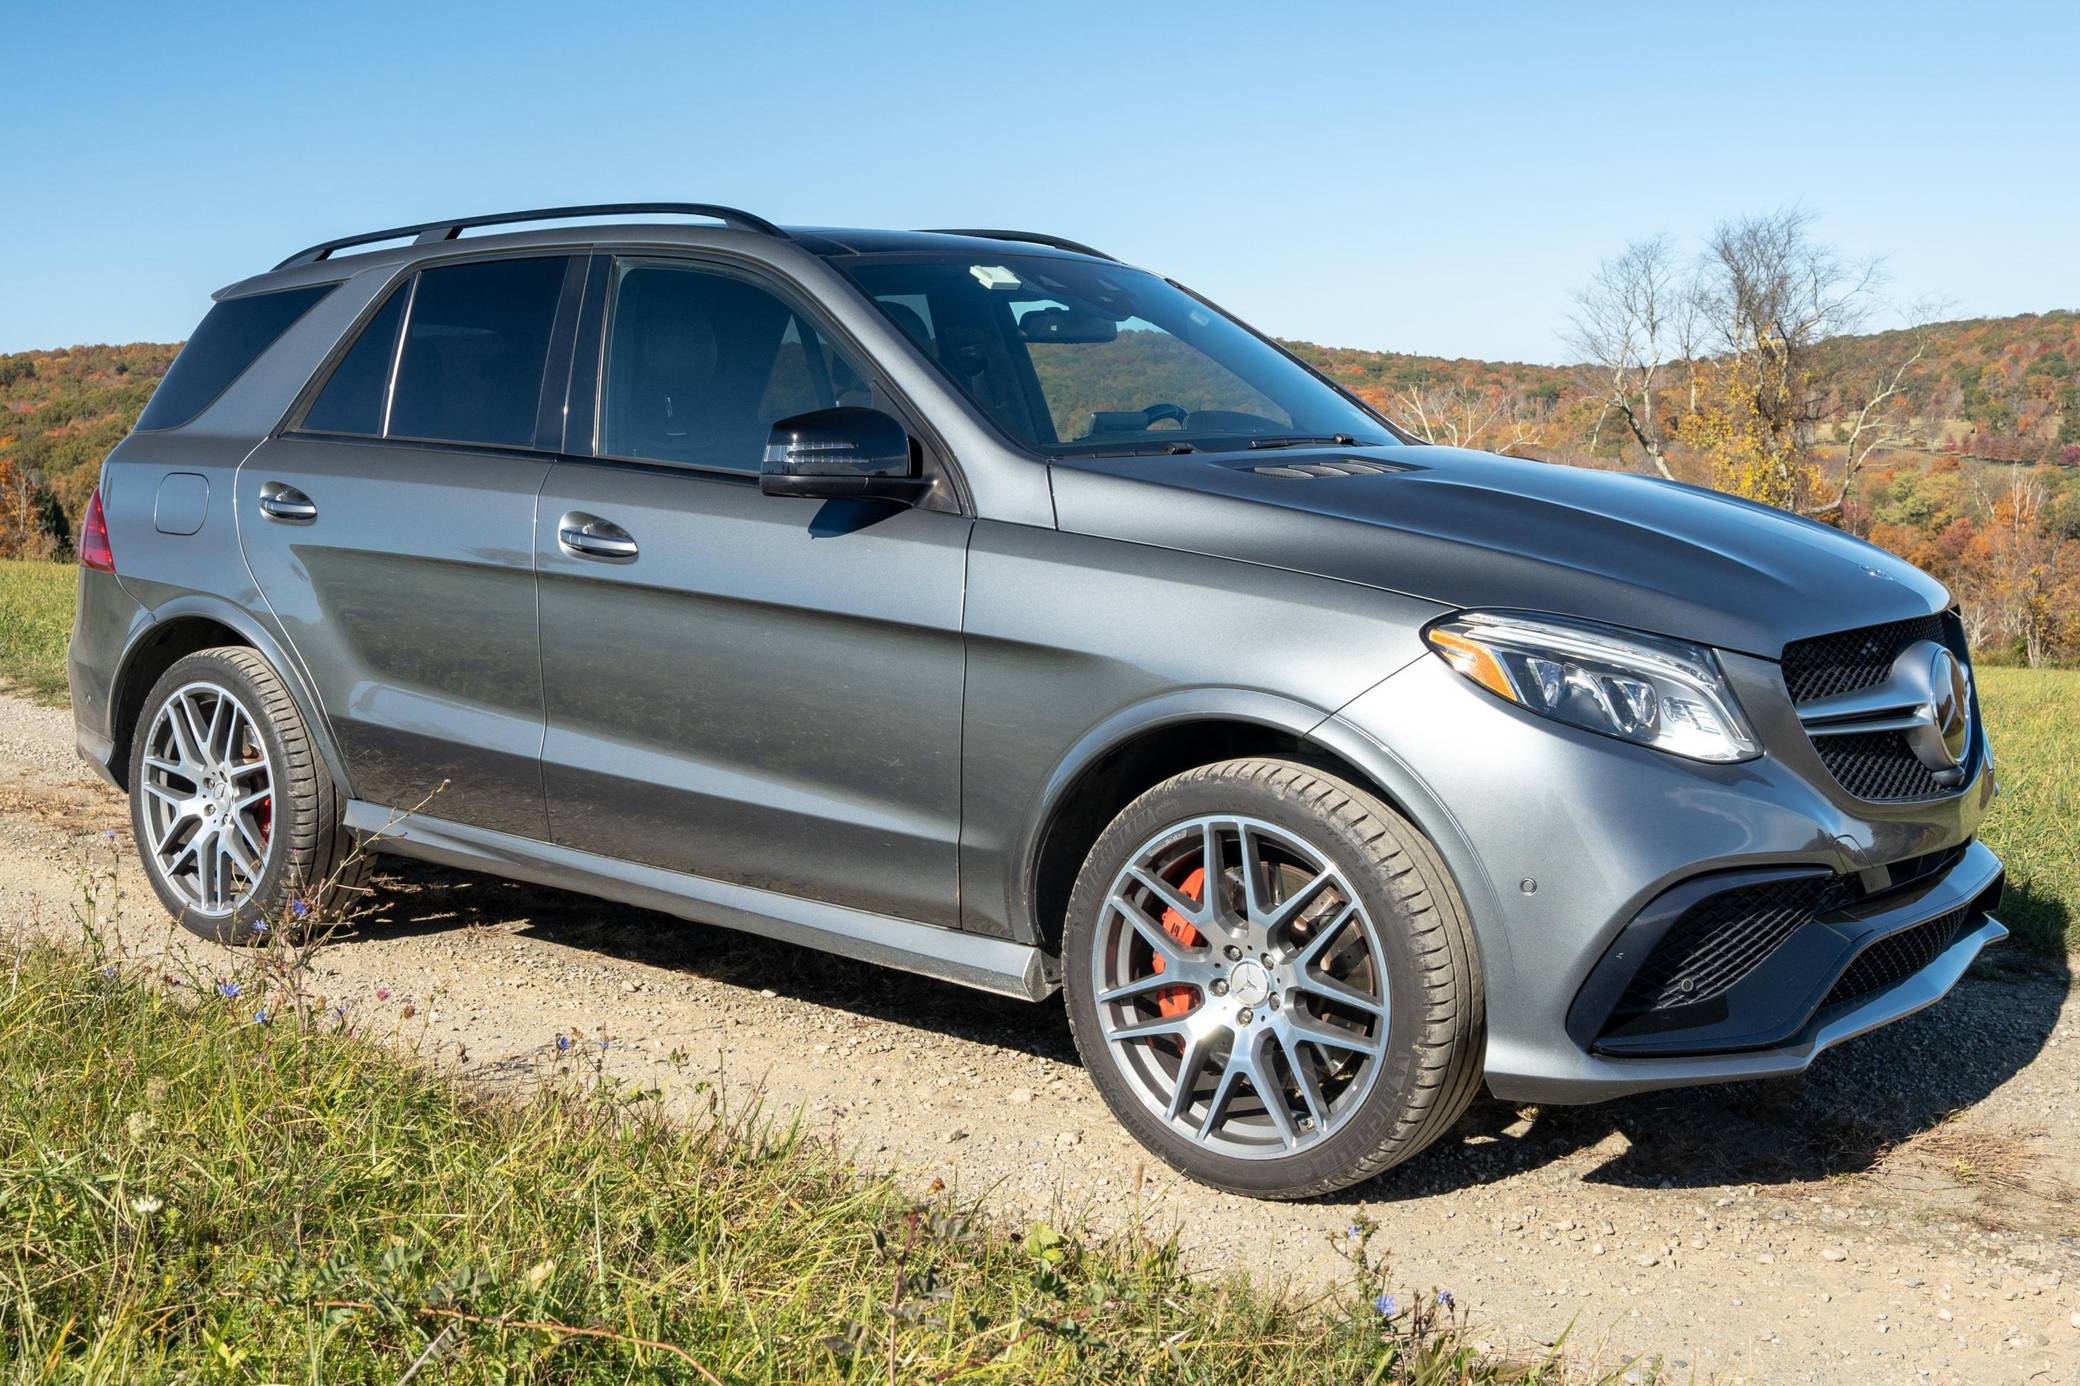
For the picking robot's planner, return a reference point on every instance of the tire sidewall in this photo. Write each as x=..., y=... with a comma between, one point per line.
x=272, y=893
x=1326, y=1163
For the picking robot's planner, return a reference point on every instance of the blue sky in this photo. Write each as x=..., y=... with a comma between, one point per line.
x=1431, y=179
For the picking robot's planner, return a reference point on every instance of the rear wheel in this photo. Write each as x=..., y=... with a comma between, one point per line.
x=237, y=820
x=1272, y=979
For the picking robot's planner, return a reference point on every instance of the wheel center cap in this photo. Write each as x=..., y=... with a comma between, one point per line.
x=1249, y=983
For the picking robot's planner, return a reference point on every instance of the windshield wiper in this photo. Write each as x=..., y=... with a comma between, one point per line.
x=1166, y=450
x=1300, y=440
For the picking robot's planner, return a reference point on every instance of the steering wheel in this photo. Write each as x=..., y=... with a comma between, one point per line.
x=1156, y=413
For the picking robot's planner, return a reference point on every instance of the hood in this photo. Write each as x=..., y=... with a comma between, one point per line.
x=1471, y=529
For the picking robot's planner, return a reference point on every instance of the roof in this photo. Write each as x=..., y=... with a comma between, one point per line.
x=423, y=239
x=821, y=240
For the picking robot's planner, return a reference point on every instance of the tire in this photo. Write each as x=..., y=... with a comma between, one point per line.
x=1412, y=992
x=308, y=866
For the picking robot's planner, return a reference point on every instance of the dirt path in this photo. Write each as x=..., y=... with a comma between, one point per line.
x=1908, y=1211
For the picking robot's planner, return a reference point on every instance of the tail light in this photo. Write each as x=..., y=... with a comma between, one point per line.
x=94, y=551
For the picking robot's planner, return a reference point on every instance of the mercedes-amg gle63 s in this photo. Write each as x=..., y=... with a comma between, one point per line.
x=973, y=603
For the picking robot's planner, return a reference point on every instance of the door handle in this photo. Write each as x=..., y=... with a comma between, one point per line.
x=281, y=501
x=588, y=536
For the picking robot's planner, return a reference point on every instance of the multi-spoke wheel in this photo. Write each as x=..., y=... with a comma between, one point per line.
x=237, y=821
x=208, y=791
x=1272, y=979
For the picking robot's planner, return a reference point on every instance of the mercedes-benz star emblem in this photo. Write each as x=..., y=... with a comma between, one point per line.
x=1944, y=737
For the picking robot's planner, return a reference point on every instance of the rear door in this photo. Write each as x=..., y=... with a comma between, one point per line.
x=392, y=532
x=756, y=689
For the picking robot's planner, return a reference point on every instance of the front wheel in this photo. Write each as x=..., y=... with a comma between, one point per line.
x=237, y=819
x=1272, y=980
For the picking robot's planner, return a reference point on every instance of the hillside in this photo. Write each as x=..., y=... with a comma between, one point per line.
x=61, y=412
x=2005, y=389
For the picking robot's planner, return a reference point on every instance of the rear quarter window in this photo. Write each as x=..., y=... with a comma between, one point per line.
x=353, y=399
x=476, y=340
x=230, y=339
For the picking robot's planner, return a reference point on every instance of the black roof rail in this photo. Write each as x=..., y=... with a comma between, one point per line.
x=448, y=230
x=1035, y=237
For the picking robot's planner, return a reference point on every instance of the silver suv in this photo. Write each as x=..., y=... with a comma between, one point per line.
x=973, y=603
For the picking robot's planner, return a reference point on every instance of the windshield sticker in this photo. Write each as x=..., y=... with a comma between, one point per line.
x=994, y=277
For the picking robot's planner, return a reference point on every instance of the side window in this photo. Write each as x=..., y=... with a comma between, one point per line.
x=700, y=364
x=228, y=340
x=352, y=400
x=475, y=345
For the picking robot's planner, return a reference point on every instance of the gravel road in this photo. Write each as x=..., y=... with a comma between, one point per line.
x=1908, y=1211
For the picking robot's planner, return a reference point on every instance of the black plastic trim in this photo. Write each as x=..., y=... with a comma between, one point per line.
x=1636, y=942
x=1781, y=996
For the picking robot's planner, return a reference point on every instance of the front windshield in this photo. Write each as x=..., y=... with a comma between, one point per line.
x=1070, y=357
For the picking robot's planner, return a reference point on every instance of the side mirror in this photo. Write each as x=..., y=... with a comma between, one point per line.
x=840, y=454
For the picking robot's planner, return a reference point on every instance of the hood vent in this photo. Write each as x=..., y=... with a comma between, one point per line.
x=1342, y=466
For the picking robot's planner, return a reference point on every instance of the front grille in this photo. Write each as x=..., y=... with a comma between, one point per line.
x=1847, y=660
x=1878, y=765
x=1896, y=957
x=1721, y=939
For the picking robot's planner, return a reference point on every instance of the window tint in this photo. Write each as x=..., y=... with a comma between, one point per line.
x=1071, y=356
x=475, y=343
x=352, y=400
x=700, y=364
x=228, y=340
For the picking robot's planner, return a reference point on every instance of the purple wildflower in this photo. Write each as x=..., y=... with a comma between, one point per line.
x=1444, y=1299
x=382, y=993
x=1387, y=1305
x=299, y=909
x=229, y=990
x=260, y=1017
x=259, y=926
x=109, y=972
x=563, y=1042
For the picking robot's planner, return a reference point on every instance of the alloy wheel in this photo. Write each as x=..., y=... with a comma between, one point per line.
x=208, y=789
x=1240, y=986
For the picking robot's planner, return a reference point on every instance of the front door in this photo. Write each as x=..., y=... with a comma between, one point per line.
x=392, y=534
x=750, y=688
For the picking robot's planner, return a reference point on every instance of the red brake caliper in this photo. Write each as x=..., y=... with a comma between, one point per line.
x=1175, y=1001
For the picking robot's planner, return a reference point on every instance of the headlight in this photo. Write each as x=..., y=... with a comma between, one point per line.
x=1660, y=693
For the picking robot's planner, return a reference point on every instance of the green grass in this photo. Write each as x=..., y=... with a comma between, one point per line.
x=188, y=1192
x=2033, y=716
x=35, y=620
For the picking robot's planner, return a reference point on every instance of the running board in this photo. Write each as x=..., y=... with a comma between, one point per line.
x=972, y=960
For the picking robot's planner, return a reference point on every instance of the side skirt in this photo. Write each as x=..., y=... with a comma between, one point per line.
x=972, y=960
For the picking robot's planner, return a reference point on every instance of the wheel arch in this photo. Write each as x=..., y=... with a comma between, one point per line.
x=181, y=627
x=1143, y=745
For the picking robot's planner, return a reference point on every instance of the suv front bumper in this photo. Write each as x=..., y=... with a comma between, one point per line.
x=1561, y=840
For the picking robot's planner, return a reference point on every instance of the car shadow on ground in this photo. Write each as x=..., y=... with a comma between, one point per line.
x=413, y=897
x=1856, y=1103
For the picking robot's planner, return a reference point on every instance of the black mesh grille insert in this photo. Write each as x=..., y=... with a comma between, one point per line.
x=1878, y=765
x=1896, y=957
x=1851, y=659
x=1719, y=940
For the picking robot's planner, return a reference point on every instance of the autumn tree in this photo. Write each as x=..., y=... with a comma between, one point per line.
x=1633, y=322
x=1460, y=415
